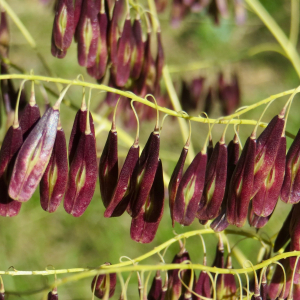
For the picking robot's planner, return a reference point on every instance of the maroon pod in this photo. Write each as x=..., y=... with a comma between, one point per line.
x=255, y=220
x=190, y=191
x=202, y=286
x=156, y=287
x=87, y=34
x=266, y=198
x=108, y=167
x=215, y=183
x=295, y=235
x=266, y=150
x=52, y=295
x=54, y=181
x=63, y=26
x=175, y=180
x=144, y=226
x=33, y=157
x=144, y=174
x=241, y=185
x=122, y=192
x=290, y=190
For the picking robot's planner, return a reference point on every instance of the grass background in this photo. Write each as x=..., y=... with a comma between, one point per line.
x=35, y=238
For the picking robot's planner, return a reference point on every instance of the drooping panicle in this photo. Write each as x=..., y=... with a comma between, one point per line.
x=54, y=181
x=144, y=226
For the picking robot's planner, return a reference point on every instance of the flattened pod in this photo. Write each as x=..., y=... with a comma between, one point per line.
x=52, y=295
x=156, y=287
x=30, y=116
x=220, y=223
x=255, y=220
x=266, y=150
x=33, y=157
x=266, y=198
x=146, y=170
x=54, y=181
x=175, y=180
x=202, y=286
x=82, y=176
x=190, y=191
x=295, y=235
x=122, y=192
x=108, y=167
x=144, y=226
x=215, y=183
x=241, y=185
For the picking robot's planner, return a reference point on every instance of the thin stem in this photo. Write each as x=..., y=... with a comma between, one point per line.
x=88, y=127
x=294, y=31
x=16, y=118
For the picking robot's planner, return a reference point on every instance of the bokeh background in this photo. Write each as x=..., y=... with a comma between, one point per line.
x=35, y=239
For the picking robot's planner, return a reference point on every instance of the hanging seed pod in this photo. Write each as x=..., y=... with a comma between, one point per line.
x=290, y=190
x=137, y=55
x=87, y=34
x=30, y=115
x=264, y=286
x=215, y=183
x=210, y=148
x=156, y=287
x=208, y=101
x=54, y=181
x=160, y=59
x=266, y=198
x=255, y=220
x=294, y=234
x=144, y=226
x=241, y=185
x=63, y=26
x=175, y=287
x=266, y=150
x=83, y=173
x=219, y=258
x=99, y=68
x=77, y=13
x=4, y=35
x=284, y=233
x=103, y=286
x=53, y=295
x=220, y=223
x=56, y=52
x=202, y=287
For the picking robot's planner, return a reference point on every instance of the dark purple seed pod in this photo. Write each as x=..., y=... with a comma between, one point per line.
x=82, y=176
x=2, y=296
x=284, y=233
x=7, y=92
x=175, y=180
x=219, y=258
x=56, y=52
x=202, y=286
x=156, y=287
x=160, y=59
x=266, y=150
x=87, y=34
x=108, y=167
x=209, y=149
x=255, y=220
x=215, y=183
x=33, y=157
x=295, y=234
x=63, y=26
x=220, y=223
x=208, y=101
x=52, y=295
x=213, y=11
x=144, y=226
x=266, y=198
x=264, y=286
x=190, y=191
x=175, y=287
x=290, y=190
x=77, y=13
x=137, y=56
x=104, y=286
x=122, y=193
x=121, y=69
x=77, y=130
x=241, y=185
x=4, y=35
x=145, y=174
x=54, y=181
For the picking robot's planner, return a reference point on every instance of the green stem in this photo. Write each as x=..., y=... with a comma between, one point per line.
x=294, y=31
x=277, y=32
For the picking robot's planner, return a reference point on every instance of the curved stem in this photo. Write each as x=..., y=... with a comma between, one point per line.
x=294, y=31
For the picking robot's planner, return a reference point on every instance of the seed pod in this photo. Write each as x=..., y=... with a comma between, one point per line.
x=122, y=193
x=266, y=150
x=210, y=149
x=284, y=233
x=33, y=157
x=202, y=287
x=160, y=59
x=105, y=285
x=2, y=296
x=156, y=287
x=121, y=69
x=144, y=226
x=219, y=258
x=175, y=288
x=82, y=176
x=241, y=185
x=4, y=35
x=108, y=167
x=77, y=13
x=267, y=196
x=215, y=183
x=56, y=52
x=208, y=101
x=137, y=55
x=54, y=181
x=264, y=286
x=98, y=69
x=290, y=190
x=63, y=26
x=144, y=174
x=294, y=233
x=255, y=220
x=220, y=223
x=190, y=191
x=52, y=295
x=87, y=34
x=175, y=180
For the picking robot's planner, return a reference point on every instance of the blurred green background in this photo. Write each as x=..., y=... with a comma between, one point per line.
x=35, y=238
